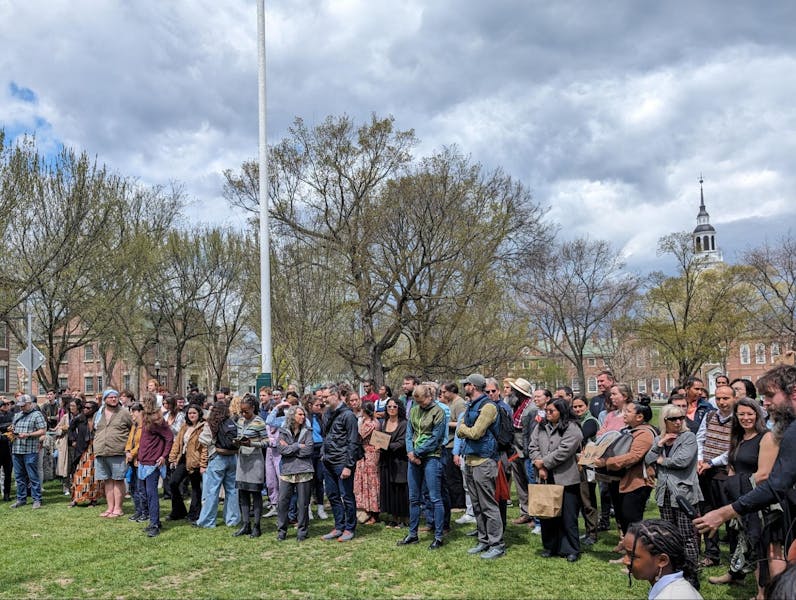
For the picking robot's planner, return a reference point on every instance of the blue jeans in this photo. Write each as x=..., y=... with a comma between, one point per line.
x=341, y=498
x=530, y=473
x=428, y=472
x=152, y=501
x=220, y=471
x=26, y=472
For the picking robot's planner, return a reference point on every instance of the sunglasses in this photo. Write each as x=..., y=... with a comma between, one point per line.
x=491, y=391
x=673, y=419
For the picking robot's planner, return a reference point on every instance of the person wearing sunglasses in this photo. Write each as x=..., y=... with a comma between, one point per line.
x=674, y=457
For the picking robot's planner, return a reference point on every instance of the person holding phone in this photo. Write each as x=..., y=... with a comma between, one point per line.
x=250, y=474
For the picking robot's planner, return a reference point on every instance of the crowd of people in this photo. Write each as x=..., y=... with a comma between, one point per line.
x=414, y=459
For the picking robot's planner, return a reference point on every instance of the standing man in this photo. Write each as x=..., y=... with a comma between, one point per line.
x=370, y=395
x=523, y=402
x=340, y=455
x=408, y=388
x=480, y=458
x=698, y=407
x=449, y=394
x=110, y=439
x=426, y=429
x=713, y=445
x=605, y=379
x=28, y=426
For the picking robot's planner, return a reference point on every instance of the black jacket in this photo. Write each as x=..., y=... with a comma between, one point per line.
x=597, y=404
x=341, y=437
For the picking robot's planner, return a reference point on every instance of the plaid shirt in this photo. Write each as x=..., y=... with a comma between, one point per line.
x=27, y=423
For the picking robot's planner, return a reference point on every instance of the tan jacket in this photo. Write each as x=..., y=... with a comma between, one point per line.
x=633, y=461
x=110, y=437
x=133, y=441
x=195, y=453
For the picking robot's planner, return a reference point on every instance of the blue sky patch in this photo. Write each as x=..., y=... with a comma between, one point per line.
x=23, y=93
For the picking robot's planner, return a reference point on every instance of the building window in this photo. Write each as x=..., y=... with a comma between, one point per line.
x=3, y=379
x=591, y=385
x=641, y=386
x=575, y=385
x=126, y=381
x=670, y=384
x=746, y=356
x=63, y=383
x=760, y=354
x=88, y=352
x=656, y=386
x=3, y=336
x=592, y=362
x=641, y=360
x=88, y=385
x=775, y=351
x=99, y=383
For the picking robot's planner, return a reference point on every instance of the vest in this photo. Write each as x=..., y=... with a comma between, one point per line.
x=717, y=437
x=486, y=446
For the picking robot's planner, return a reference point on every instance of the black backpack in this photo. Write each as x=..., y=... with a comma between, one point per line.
x=505, y=431
x=227, y=432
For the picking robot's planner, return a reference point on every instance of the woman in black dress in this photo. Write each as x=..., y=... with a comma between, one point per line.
x=751, y=456
x=393, y=464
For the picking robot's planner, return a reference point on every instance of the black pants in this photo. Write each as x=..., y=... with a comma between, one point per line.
x=178, y=476
x=455, y=484
x=711, y=482
x=251, y=506
x=560, y=534
x=6, y=464
x=320, y=471
x=605, y=505
x=628, y=507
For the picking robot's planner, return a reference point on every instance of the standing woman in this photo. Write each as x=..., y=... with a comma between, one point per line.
x=65, y=452
x=751, y=456
x=630, y=493
x=156, y=442
x=137, y=489
x=555, y=442
x=674, y=456
x=380, y=408
x=85, y=488
x=588, y=486
x=614, y=419
x=295, y=447
x=315, y=422
x=250, y=473
x=393, y=466
x=175, y=419
x=186, y=458
x=366, y=475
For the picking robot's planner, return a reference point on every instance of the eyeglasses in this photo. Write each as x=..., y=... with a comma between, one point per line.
x=673, y=419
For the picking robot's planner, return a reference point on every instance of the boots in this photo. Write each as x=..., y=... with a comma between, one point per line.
x=245, y=529
x=255, y=532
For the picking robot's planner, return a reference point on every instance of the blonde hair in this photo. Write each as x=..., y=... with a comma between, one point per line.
x=234, y=406
x=670, y=410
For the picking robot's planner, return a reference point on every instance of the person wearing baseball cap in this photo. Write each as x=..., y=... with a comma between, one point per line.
x=110, y=438
x=28, y=426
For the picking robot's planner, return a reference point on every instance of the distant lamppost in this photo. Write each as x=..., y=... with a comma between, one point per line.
x=157, y=371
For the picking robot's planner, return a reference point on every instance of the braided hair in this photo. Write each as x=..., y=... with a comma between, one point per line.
x=662, y=537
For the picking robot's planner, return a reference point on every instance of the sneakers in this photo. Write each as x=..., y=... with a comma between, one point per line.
x=322, y=513
x=346, y=537
x=478, y=549
x=332, y=535
x=18, y=503
x=152, y=531
x=493, y=552
x=270, y=513
x=465, y=519
x=588, y=540
x=537, y=530
x=36, y=504
x=309, y=513
x=409, y=539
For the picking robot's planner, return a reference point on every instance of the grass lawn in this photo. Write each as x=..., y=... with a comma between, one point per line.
x=73, y=553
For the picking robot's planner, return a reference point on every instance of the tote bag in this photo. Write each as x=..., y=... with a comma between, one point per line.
x=545, y=500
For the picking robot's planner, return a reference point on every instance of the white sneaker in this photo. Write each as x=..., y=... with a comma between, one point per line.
x=322, y=513
x=270, y=513
x=537, y=530
x=465, y=519
x=309, y=511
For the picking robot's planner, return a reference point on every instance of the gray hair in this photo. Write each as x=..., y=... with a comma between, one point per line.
x=290, y=417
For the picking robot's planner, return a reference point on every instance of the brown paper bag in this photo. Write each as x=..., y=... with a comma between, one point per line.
x=545, y=500
x=380, y=439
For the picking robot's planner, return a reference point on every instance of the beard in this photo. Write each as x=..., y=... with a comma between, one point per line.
x=782, y=416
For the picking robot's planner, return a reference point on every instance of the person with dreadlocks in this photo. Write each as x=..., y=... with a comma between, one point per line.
x=655, y=552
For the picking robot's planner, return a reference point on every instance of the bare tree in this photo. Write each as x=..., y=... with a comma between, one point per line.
x=573, y=294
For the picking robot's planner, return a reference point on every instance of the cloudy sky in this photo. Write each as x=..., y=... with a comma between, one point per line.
x=607, y=111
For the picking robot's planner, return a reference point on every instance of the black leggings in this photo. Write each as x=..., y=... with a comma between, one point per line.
x=251, y=504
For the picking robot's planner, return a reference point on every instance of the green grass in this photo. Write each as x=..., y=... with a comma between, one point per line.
x=62, y=552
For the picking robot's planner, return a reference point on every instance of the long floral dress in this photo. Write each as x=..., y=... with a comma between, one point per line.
x=366, y=475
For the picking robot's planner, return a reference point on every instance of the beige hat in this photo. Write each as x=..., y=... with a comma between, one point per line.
x=522, y=386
